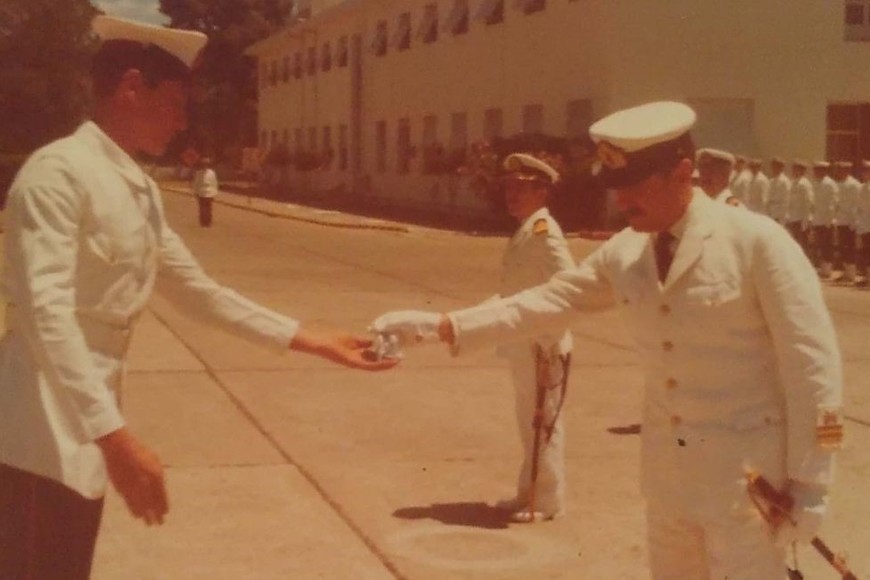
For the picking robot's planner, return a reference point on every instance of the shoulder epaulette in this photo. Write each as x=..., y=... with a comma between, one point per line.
x=541, y=227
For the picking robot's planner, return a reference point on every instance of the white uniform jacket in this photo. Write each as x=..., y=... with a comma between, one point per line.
x=205, y=183
x=534, y=254
x=800, y=202
x=825, y=201
x=740, y=355
x=848, y=201
x=759, y=189
x=86, y=240
x=778, y=198
x=862, y=220
x=740, y=185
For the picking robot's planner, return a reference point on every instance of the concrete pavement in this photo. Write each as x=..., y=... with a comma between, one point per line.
x=284, y=466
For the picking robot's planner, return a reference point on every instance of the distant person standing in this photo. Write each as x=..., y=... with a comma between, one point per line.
x=714, y=172
x=780, y=186
x=741, y=180
x=759, y=187
x=205, y=187
x=825, y=200
x=800, y=205
x=862, y=226
x=847, y=206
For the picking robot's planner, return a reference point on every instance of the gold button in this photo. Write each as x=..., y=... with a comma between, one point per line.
x=676, y=420
x=668, y=346
x=672, y=383
x=665, y=309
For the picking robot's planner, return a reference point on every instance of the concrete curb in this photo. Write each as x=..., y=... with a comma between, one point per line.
x=286, y=214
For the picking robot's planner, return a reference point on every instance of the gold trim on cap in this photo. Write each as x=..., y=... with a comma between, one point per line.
x=611, y=156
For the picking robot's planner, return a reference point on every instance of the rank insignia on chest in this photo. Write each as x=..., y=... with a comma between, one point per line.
x=540, y=227
x=829, y=428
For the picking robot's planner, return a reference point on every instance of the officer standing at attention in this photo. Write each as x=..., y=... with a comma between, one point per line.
x=847, y=207
x=741, y=360
x=86, y=240
x=800, y=205
x=714, y=173
x=758, y=188
x=825, y=201
x=780, y=188
x=536, y=251
x=205, y=188
x=742, y=179
x=862, y=226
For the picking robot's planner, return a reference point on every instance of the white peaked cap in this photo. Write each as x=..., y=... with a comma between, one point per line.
x=519, y=163
x=643, y=126
x=185, y=45
x=715, y=154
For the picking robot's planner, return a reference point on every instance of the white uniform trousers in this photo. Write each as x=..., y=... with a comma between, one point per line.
x=737, y=546
x=550, y=488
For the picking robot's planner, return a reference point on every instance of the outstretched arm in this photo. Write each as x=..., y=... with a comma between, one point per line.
x=345, y=349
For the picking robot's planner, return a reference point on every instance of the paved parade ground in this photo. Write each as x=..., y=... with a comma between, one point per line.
x=281, y=466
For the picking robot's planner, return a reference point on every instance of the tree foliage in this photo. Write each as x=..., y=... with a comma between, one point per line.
x=224, y=119
x=45, y=48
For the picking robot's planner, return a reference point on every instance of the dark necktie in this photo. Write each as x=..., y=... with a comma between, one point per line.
x=664, y=254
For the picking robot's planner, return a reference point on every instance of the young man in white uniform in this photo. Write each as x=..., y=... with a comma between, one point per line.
x=741, y=360
x=800, y=205
x=536, y=251
x=780, y=188
x=86, y=240
x=714, y=173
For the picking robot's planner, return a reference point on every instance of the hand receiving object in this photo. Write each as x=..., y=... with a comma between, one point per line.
x=409, y=327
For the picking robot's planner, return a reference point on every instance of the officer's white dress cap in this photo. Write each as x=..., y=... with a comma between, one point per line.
x=715, y=154
x=865, y=163
x=800, y=163
x=525, y=166
x=185, y=45
x=634, y=143
x=821, y=165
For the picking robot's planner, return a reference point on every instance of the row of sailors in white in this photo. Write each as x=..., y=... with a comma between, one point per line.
x=829, y=196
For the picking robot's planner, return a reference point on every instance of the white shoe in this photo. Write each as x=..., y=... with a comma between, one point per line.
x=519, y=511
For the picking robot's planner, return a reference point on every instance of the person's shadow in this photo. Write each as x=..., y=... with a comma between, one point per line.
x=471, y=514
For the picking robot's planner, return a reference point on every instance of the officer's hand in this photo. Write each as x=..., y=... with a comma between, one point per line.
x=410, y=326
x=137, y=475
x=345, y=349
x=810, y=505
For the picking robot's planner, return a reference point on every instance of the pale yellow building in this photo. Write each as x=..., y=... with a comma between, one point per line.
x=381, y=84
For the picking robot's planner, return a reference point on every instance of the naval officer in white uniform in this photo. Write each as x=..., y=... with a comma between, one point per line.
x=86, y=240
x=742, y=367
x=534, y=253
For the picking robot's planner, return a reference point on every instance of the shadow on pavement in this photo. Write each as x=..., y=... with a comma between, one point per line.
x=470, y=514
x=632, y=429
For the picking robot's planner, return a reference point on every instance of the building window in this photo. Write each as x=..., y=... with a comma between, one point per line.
x=381, y=146
x=402, y=38
x=285, y=70
x=403, y=146
x=533, y=119
x=273, y=73
x=341, y=55
x=491, y=11
x=848, y=131
x=297, y=65
x=578, y=117
x=457, y=21
x=857, y=20
x=458, y=138
x=297, y=140
x=311, y=65
x=379, y=42
x=433, y=152
x=312, y=140
x=428, y=30
x=493, y=124
x=328, y=151
x=342, y=147
x=326, y=57
x=530, y=6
